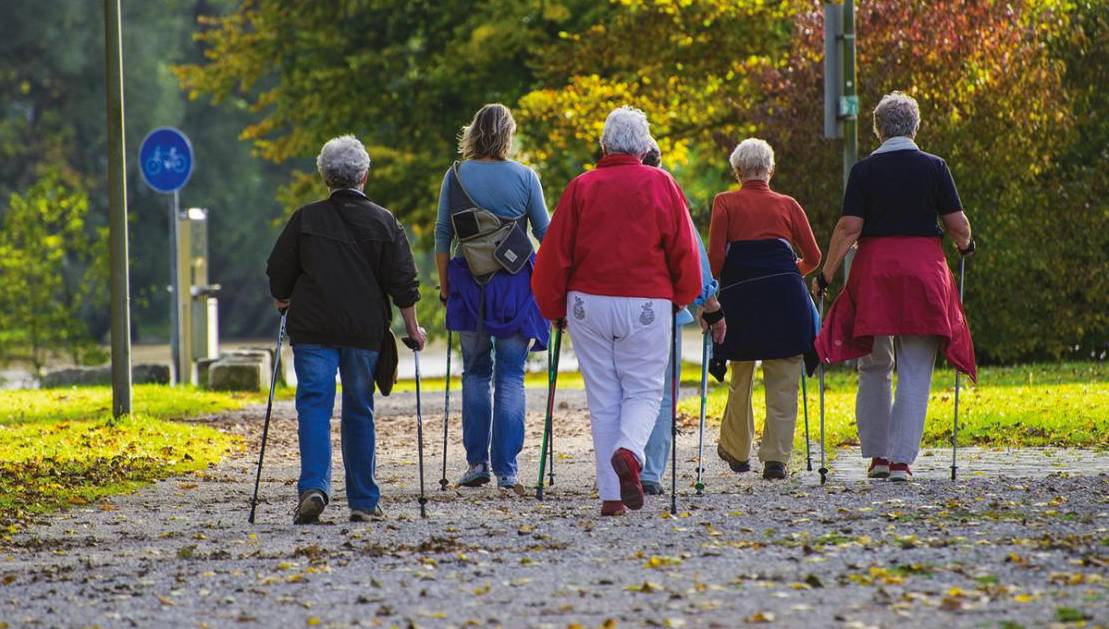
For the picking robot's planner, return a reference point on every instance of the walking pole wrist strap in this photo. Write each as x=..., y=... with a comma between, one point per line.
x=712, y=318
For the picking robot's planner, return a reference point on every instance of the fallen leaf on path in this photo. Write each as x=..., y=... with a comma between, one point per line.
x=646, y=587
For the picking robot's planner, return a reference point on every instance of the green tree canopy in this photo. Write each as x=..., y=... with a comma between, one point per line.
x=1005, y=91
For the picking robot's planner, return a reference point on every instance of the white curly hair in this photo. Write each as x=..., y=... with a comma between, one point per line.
x=897, y=114
x=343, y=162
x=627, y=131
x=753, y=159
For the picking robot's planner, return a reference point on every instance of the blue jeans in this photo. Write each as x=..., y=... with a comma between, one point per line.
x=493, y=401
x=315, y=369
x=658, y=446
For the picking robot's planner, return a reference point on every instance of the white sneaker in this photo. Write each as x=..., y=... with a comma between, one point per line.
x=900, y=473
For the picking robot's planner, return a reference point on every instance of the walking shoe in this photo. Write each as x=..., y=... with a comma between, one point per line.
x=510, y=483
x=310, y=507
x=651, y=488
x=737, y=466
x=613, y=507
x=773, y=470
x=627, y=468
x=900, y=473
x=879, y=468
x=476, y=476
x=363, y=515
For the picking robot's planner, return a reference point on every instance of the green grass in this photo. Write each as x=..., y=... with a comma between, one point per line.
x=94, y=403
x=691, y=376
x=1064, y=405
x=59, y=447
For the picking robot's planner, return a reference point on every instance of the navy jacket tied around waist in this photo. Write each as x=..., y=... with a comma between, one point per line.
x=769, y=312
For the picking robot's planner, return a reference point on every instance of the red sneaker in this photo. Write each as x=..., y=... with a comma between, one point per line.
x=900, y=473
x=627, y=468
x=879, y=468
x=612, y=507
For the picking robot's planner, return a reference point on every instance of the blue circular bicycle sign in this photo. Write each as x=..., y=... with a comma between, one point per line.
x=166, y=159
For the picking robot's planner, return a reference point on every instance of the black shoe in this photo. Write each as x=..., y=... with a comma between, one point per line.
x=737, y=466
x=310, y=507
x=651, y=488
x=773, y=470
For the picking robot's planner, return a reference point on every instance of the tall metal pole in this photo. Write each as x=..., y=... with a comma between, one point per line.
x=117, y=213
x=849, y=107
x=174, y=295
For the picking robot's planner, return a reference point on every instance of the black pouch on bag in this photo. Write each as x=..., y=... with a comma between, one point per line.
x=515, y=250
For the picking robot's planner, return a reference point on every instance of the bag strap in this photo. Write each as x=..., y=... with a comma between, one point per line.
x=461, y=187
x=456, y=171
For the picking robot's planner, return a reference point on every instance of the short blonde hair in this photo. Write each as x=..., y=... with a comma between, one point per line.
x=753, y=159
x=489, y=134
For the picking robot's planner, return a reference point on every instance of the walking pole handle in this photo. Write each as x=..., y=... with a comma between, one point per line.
x=411, y=343
x=969, y=251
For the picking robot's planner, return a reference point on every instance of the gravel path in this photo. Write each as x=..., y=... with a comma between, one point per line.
x=1026, y=542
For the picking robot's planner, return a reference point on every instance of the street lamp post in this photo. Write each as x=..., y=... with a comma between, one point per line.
x=117, y=213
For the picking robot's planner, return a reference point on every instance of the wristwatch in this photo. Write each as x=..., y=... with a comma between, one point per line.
x=712, y=318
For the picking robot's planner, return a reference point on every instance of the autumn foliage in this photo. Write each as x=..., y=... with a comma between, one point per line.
x=1007, y=91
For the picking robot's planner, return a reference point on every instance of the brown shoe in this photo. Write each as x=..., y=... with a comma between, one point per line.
x=737, y=466
x=774, y=470
x=309, y=507
x=627, y=468
x=613, y=507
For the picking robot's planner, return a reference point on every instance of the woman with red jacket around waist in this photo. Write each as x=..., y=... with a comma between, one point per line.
x=900, y=298
x=769, y=313
x=620, y=256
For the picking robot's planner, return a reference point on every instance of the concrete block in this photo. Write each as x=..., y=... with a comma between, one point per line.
x=142, y=373
x=228, y=374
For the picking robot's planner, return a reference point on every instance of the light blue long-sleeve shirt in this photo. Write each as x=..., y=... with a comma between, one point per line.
x=708, y=284
x=506, y=188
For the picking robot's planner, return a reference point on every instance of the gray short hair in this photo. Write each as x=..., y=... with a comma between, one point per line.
x=897, y=114
x=343, y=162
x=753, y=159
x=626, y=131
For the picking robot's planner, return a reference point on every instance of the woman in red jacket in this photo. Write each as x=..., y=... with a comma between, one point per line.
x=620, y=251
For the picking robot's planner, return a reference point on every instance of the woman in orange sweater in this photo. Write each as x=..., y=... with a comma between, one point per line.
x=752, y=242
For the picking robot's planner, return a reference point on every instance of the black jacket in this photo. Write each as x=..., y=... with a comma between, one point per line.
x=339, y=261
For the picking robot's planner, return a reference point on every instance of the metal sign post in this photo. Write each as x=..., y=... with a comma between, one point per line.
x=841, y=100
x=166, y=162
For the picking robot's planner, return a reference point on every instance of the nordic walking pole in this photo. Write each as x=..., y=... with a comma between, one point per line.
x=805, y=401
x=443, y=482
x=955, y=428
x=823, y=468
x=415, y=347
x=550, y=440
x=700, y=485
x=269, y=411
x=552, y=381
x=675, y=377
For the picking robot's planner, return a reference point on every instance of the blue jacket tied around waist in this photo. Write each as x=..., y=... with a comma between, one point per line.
x=769, y=312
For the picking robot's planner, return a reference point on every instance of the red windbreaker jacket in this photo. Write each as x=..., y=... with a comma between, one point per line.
x=898, y=285
x=620, y=230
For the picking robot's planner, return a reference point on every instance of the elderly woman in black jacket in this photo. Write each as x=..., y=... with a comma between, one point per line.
x=336, y=266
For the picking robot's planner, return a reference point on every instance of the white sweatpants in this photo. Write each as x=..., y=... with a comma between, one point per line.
x=892, y=429
x=623, y=347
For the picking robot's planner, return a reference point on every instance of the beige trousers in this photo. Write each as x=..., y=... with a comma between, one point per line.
x=737, y=432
